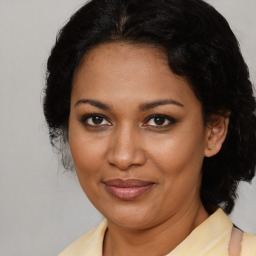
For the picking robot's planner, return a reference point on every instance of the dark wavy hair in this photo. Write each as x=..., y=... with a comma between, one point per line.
x=200, y=47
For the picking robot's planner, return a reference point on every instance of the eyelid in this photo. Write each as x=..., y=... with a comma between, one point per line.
x=169, y=118
x=87, y=116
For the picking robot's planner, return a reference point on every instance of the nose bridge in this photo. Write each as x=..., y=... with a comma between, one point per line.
x=126, y=148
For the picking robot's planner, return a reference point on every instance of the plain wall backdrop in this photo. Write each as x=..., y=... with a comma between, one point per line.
x=43, y=208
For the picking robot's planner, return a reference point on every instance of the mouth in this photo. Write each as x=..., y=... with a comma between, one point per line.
x=127, y=190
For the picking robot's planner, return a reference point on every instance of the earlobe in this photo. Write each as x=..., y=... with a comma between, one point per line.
x=216, y=135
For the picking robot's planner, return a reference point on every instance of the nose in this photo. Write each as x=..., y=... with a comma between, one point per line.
x=126, y=149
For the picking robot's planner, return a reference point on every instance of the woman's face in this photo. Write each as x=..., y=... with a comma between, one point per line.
x=136, y=135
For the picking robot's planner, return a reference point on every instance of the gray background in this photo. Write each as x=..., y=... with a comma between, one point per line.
x=43, y=208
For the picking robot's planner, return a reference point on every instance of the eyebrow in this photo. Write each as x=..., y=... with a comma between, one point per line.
x=142, y=107
x=147, y=106
x=94, y=103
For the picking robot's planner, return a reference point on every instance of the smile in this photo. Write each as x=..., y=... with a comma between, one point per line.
x=127, y=190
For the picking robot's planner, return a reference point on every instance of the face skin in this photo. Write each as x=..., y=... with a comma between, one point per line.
x=146, y=125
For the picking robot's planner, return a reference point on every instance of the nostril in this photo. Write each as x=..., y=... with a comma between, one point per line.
x=124, y=159
x=121, y=163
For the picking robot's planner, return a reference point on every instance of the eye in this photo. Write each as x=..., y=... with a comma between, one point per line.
x=96, y=120
x=159, y=121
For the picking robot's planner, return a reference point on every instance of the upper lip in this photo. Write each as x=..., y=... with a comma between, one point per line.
x=127, y=183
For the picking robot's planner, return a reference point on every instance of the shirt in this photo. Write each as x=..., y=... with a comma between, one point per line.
x=210, y=238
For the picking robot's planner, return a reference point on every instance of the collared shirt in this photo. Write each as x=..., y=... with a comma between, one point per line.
x=210, y=238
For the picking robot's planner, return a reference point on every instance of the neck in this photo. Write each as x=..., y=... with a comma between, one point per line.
x=158, y=240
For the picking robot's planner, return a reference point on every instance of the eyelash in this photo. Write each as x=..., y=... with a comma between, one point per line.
x=87, y=117
x=170, y=120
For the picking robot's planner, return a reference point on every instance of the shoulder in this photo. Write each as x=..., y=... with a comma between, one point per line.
x=89, y=244
x=248, y=245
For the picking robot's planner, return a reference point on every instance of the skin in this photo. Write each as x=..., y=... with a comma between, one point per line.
x=128, y=143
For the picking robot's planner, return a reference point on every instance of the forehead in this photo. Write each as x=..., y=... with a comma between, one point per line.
x=126, y=51
x=118, y=57
x=130, y=72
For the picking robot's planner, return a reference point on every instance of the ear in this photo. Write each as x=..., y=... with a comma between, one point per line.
x=215, y=135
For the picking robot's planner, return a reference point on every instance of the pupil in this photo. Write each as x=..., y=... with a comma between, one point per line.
x=159, y=120
x=97, y=119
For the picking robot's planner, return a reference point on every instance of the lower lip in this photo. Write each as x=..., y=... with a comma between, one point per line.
x=127, y=194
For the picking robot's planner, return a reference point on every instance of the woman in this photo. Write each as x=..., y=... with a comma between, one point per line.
x=154, y=100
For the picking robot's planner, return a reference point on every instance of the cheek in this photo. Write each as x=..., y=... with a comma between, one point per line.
x=87, y=159
x=85, y=148
x=178, y=161
x=178, y=153
x=88, y=156
x=85, y=154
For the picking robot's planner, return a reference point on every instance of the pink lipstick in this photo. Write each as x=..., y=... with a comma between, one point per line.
x=127, y=189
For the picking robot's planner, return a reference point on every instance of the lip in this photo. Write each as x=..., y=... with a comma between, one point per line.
x=127, y=190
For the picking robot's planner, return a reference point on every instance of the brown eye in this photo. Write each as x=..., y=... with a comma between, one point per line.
x=95, y=120
x=159, y=121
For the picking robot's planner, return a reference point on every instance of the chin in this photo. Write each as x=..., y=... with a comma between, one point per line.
x=131, y=217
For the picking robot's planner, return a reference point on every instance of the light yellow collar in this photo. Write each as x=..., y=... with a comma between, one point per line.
x=210, y=238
